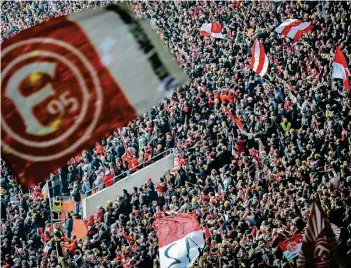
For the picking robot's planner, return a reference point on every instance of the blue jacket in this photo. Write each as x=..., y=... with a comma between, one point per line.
x=69, y=224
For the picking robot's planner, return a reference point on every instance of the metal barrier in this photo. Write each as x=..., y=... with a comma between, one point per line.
x=155, y=171
x=127, y=173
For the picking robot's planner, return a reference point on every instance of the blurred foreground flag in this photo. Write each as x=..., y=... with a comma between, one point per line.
x=319, y=241
x=180, y=240
x=340, y=69
x=68, y=82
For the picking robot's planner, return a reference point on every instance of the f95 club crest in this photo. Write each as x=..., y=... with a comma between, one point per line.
x=69, y=82
x=50, y=92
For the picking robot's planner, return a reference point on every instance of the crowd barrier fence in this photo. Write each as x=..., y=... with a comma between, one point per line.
x=154, y=171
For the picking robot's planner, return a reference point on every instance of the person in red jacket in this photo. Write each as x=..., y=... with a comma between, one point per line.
x=37, y=194
x=107, y=180
x=133, y=164
x=224, y=97
x=240, y=146
x=71, y=245
x=231, y=97
x=100, y=214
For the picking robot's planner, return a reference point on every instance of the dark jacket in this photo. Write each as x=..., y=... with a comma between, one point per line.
x=69, y=223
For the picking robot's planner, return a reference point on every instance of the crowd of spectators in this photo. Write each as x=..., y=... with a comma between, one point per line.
x=252, y=188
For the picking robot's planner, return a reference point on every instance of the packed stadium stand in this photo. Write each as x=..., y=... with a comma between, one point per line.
x=250, y=183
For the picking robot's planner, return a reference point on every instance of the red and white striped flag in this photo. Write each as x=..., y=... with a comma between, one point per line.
x=180, y=240
x=213, y=29
x=319, y=241
x=294, y=28
x=340, y=69
x=259, y=60
x=77, y=88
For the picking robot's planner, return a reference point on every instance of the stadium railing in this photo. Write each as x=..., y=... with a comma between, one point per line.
x=155, y=171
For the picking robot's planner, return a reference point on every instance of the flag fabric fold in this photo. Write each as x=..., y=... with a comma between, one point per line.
x=319, y=241
x=81, y=87
x=294, y=28
x=340, y=69
x=180, y=240
x=259, y=60
x=213, y=29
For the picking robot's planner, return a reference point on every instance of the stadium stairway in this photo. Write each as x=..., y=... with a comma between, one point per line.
x=79, y=228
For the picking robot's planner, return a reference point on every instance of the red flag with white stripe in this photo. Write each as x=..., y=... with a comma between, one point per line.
x=259, y=60
x=62, y=93
x=213, y=29
x=319, y=241
x=340, y=69
x=294, y=28
x=180, y=240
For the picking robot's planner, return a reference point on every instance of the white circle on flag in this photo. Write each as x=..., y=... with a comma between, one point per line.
x=82, y=114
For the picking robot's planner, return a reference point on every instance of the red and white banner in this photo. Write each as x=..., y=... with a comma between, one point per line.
x=180, y=240
x=291, y=247
x=294, y=28
x=259, y=59
x=63, y=92
x=319, y=241
x=213, y=29
x=340, y=69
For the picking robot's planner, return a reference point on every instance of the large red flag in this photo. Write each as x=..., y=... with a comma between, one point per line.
x=319, y=241
x=180, y=240
x=66, y=83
